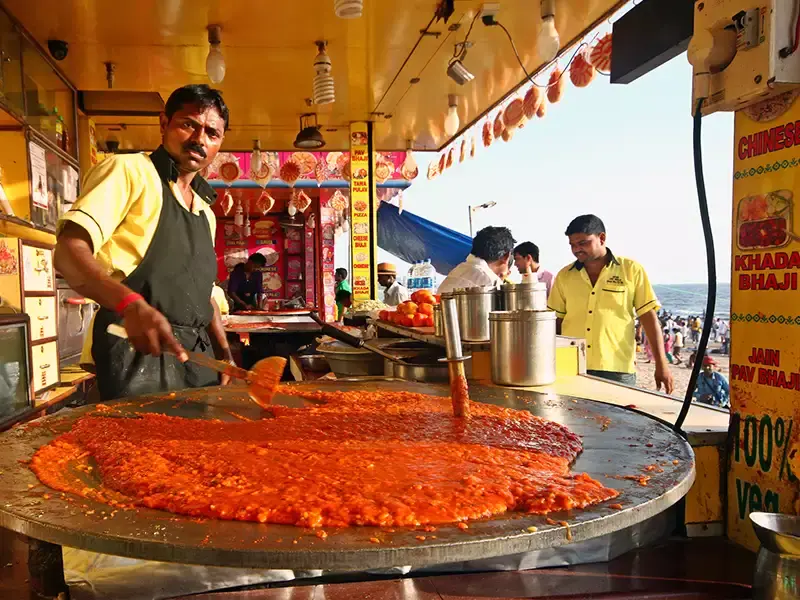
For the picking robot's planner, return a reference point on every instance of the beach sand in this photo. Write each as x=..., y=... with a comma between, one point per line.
x=680, y=373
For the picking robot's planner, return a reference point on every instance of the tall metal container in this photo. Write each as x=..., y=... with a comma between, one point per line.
x=474, y=305
x=523, y=296
x=523, y=347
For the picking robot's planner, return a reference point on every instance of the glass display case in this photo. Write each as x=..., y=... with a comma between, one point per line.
x=49, y=100
x=54, y=184
x=10, y=65
x=15, y=366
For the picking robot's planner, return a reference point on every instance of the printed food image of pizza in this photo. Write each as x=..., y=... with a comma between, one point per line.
x=306, y=161
x=360, y=206
x=361, y=228
x=771, y=108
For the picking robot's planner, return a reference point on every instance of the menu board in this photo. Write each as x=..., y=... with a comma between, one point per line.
x=361, y=227
x=327, y=222
x=765, y=325
x=310, y=266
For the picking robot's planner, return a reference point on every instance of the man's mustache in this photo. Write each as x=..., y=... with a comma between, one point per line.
x=195, y=148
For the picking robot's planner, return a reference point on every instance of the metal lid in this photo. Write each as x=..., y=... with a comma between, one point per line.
x=523, y=287
x=437, y=308
x=522, y=315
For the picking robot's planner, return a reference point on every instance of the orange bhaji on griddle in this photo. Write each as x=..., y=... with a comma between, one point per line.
x=361, y=458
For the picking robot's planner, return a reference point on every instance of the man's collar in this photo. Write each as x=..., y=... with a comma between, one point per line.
x=610, y=259
x=168, y=171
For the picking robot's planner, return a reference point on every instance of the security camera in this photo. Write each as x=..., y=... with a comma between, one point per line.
x=58, y=49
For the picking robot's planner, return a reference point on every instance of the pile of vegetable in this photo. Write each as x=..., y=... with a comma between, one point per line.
x=417, y=312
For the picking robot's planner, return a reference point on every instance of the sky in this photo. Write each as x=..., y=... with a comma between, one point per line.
x=622, y=152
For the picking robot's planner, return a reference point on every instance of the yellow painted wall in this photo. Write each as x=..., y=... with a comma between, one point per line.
x=14, y=162
x=566, y=363
x=704, y=502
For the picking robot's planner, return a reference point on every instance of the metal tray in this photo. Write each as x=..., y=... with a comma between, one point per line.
x=617, y=443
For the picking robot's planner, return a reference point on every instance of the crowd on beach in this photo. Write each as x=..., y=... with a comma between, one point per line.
x=681, y=338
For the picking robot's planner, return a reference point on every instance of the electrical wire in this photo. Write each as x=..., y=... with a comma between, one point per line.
x=461, y=46
x=580, y=47
x=711, y=262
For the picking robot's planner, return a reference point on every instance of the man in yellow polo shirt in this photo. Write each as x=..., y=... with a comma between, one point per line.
x=599, y=297
x=140, y=242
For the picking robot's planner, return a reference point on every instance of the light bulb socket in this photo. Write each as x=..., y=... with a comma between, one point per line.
x=452, y=100
x=548, y=8
x=214, y=35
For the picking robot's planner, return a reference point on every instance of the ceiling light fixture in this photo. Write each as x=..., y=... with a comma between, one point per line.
x=456, y=69
x=110, y=70
x=451, y=121
x=348, y=9
x=323, y=91
x=215, y=62
x=548, y=43
x=309, y=137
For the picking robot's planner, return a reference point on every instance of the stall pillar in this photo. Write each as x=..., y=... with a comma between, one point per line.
x=765, y=321
x=364, y=221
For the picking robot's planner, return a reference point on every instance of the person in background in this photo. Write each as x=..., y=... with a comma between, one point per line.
x=598, y=297
x=668, y=340
x=394, y=292
x=526, y=259
x=677, y=345
x=486, y=265
x=697, y=327
x=344, y=300
x=218, y=294
x=712, y=386
x=246, y=283
x=341, y=280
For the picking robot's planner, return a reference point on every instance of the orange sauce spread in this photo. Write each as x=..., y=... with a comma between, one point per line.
x=360, y=458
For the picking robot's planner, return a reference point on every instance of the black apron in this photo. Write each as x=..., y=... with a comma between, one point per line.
x=175, y=277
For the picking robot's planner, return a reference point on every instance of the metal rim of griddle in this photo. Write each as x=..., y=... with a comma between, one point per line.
x=156, y=535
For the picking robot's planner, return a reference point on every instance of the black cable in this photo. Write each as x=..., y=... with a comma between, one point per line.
x=580, y=47
x=711, y=261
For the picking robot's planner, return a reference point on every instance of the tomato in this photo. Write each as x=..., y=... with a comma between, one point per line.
x=407, y=321
x=425, y=308
x=383, y=315
x=423, y=297
x=438, y=298
x=407, y=308
x=420, y=320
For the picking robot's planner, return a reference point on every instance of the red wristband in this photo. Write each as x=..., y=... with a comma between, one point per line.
x=126, y=302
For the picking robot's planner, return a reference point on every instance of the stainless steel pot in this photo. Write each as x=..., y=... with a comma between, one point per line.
x=524, y=296
x=523, y=347
x=474, y=305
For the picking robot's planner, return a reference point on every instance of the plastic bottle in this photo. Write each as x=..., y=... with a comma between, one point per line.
x=45, y=121
x=410, y=277
x=416, y=276
x=428, y=275
x=58, y=125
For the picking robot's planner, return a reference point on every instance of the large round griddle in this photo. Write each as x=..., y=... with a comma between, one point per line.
x=617, y=443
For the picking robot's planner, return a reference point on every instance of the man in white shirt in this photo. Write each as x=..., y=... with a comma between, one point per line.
x=486, y=265
x=394, y=292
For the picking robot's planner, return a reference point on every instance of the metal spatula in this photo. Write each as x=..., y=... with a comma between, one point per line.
x=262, y=380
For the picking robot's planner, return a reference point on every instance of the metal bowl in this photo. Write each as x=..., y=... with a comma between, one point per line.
x=316, y=363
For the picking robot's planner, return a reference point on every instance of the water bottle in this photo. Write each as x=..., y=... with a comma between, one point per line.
x=428, y=275
x=416, y=275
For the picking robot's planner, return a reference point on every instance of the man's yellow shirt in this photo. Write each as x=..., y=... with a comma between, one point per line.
x=604, y=314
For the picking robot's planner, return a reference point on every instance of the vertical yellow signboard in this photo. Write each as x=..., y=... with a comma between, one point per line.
x=765, y=314
x=361, y=229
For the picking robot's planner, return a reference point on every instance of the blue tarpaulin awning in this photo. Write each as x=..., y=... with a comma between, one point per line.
x=412, y=239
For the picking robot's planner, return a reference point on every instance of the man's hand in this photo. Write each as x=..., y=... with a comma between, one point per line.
x=150, y=332
x=223, y=378
x=664, y=377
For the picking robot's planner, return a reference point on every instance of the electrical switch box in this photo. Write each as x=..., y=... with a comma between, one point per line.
x=743, y=51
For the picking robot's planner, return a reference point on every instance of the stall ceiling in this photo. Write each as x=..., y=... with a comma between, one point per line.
x=159, y=45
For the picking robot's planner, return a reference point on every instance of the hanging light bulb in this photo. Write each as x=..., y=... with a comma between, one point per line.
x=238, y=215
x=255, y=157
x=215, y=62
x=345, y=226
x=291, y=209
x=451, y=121
x=323, y=91
x=348, y=9
x=548, y=44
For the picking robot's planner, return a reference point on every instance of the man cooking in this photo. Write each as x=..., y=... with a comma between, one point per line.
x=246, y=283
x=394, y=292
x=486, y=265
x=526, y=259
x=140, y=242
x=599, y=297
